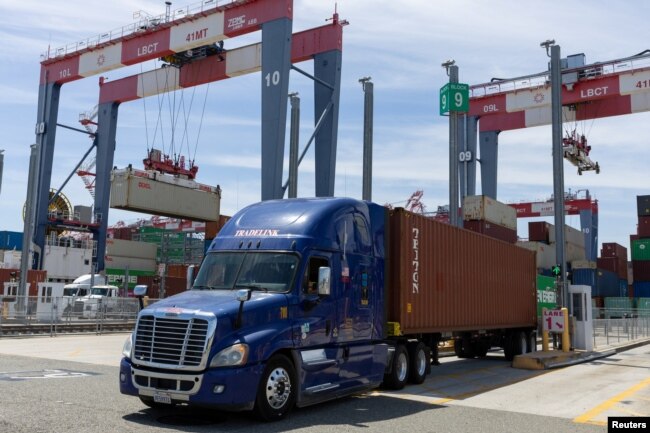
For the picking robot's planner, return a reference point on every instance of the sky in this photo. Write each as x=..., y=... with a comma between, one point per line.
x=401, y=45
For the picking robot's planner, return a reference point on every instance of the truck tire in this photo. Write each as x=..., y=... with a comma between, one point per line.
x=464, y=348
x=419, y=357
x=399, y=372
x=531, y=336
x=519, y=342
x=481, y=347
x=276, y=393
x=508, y=347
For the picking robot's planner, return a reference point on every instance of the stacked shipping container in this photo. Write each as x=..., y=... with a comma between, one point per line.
x=640, y=245
x=487, y=216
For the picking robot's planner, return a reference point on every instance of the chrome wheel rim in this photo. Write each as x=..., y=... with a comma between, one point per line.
x=421, y=362
x=278, y=388
x=402, y=367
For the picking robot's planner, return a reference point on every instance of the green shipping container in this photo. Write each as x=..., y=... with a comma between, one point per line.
x=546, y=294
x=618, y=307
x=114, y=276
x=641, y=249
x=643, y=307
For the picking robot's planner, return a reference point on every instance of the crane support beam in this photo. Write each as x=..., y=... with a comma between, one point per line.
x=593, y=96
x=141, y=42
x=239, y=61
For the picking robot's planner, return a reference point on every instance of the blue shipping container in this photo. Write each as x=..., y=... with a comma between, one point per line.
x=642, y=289
x=11, y=240
x=622, y=287
x=602, y=282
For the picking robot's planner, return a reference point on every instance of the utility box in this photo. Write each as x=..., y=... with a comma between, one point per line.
x=583, y=332
x=83, y=214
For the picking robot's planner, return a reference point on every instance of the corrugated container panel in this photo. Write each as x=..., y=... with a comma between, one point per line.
x=643, y=229
x=606, y=284
x=573, y=252
x=161, y=198
x=483, y=208
x=544, y=254
x=642, y=289
x=11, y=240
x=571, y=236
x=213, y=228
x=618, y=306
x=643, y=205
x=124, y=233
x=33, y=277
x=444, y=278
x=124, y=248
x=622, y=287
x=118, y=262
x=583, y=264
x=643, y=306
x=173, y=285
x=617, y=265
x=641, y=270
x=492, y=230
x=612, y=249
x=538, y=231
x=117, y=276
x=586, y=277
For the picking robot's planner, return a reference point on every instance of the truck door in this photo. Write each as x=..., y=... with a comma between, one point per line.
x=315, y=335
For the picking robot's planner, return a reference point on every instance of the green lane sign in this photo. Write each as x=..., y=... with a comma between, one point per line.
x=454, y=97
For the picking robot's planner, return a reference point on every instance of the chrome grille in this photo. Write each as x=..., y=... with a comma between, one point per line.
x=168, y=341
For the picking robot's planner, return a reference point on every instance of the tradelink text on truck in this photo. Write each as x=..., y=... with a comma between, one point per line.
x=305, y=300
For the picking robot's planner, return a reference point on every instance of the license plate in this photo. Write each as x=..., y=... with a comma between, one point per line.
x=160, y=397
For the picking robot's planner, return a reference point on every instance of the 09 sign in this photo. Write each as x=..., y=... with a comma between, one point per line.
x=454, y=97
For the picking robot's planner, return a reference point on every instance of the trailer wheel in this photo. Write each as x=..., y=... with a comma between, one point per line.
x=399, y=371
x=464, y=348
x=481, y=347
x=531, y=336
x=276, y=393
x=420, y=366
x=508, y=346
x=519, y=342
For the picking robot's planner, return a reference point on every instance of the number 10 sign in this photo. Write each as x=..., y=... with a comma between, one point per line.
x=454, y=97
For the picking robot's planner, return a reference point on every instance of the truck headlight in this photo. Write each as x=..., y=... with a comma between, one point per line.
x=237, y=354
x=128, y=345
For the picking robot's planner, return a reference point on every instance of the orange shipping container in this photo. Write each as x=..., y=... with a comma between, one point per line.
x=444, y=278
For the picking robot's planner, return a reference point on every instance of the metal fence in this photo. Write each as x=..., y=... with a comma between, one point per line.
x=21, y=316
x=620, y=326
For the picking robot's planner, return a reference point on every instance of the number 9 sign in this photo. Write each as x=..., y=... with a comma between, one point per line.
x=456, y=95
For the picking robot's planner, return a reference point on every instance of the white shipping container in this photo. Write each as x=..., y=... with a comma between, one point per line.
x=121, y=262
x=11, y=259
x=65, y=263
x=124, y=248
x=480, y=207
x=545, y=254
x=571, y=236
x=132, y=192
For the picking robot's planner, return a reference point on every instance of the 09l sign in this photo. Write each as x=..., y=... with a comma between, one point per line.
x=454, y=97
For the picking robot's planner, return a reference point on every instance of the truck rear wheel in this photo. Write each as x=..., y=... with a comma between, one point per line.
x=399, y=371
x=531, y=336
x=276, y=394
x=420, y=365
x=464, y=348
x=519, y=343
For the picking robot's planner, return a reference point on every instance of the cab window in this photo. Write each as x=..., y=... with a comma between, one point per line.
x=310, y=279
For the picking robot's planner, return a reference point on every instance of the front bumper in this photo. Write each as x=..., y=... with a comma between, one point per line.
x=239, y=385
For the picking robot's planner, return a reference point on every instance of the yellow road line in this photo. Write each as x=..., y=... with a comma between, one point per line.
x=587, y=417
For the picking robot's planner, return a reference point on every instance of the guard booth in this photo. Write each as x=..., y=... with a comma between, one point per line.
x=8, y=299
x=583, y=330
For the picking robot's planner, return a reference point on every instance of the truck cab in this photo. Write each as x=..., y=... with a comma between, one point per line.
x=285, y=310
x=100, y=299
x=79, y=288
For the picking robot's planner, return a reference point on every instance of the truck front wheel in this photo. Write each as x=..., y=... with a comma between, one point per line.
x=276, y=394
x=399, y=371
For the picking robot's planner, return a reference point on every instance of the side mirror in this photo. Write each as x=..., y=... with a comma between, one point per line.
x=190, y=276
x=140, y=290
x=324, y=274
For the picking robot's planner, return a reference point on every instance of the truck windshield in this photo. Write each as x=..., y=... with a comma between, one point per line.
x=70, y=292
x=273, y=272
x=98, y=291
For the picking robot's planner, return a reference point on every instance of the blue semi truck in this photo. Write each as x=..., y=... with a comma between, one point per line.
x=305, y=300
